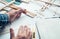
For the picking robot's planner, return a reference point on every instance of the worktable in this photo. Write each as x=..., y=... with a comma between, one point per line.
x=49, y=28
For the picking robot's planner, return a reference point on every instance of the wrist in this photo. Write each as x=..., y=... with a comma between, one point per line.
x=11, y=16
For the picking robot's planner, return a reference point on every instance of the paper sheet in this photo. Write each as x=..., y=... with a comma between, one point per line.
x=49, y=28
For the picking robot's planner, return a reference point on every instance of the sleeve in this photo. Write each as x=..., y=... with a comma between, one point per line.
x=4, y=20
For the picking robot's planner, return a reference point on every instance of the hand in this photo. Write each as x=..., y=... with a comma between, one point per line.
x=23, y=33
x=14, y=14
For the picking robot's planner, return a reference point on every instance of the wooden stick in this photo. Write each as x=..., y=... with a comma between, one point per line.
x=7, y=5
x=33, y=33
x=28, y=13
x=50, y=3
x=45, y=6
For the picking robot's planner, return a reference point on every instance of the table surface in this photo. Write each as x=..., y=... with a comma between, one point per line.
x=48, y=28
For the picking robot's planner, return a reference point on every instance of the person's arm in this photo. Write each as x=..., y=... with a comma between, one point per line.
x=9, y=17
x=14, y=14
x=4, y=19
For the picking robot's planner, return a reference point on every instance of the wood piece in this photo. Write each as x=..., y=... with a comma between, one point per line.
x=45, y=6
x=26, y=1
x=28, y=13
x=3, y=12
x=7, y=5
x=51, y=3
x=33, y=33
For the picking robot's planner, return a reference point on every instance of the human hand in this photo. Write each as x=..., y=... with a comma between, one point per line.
x=23, y=33
x=14, y=14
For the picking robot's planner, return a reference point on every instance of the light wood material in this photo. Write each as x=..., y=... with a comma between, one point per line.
x=28, y=13
x=6, y=5
x=33, y=33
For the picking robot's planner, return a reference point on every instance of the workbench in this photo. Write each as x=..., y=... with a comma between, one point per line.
x=49, y=28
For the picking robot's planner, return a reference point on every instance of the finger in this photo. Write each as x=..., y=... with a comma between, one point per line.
x=25, y=28
x=18, y=14
x=19, y=11
x=14, y=18
x=28, y=31
x=24, y=11
x=20, y=30
x=11, y=33
x=25, y=31
x=30, y=35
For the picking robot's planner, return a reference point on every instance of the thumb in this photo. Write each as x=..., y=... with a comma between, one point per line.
x=11, y=33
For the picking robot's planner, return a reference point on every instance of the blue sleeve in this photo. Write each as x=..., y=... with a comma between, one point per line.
x=4, y=20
